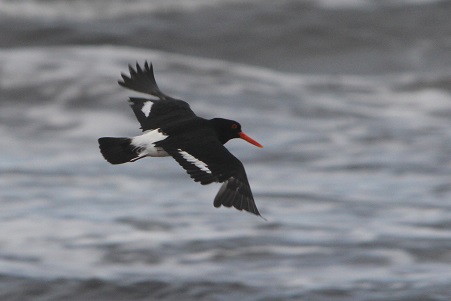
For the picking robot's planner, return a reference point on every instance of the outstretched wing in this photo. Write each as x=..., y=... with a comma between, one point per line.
x=142, y=80
x=207, y=161
x=153, y=113
x=236, y=192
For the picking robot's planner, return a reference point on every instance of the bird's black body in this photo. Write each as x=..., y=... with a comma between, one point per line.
x=171, y=128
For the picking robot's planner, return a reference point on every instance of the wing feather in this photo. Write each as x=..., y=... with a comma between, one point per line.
x=142, y=80
x=153, y=113
x=202, y=155
x=161, y=112
x=222, y=166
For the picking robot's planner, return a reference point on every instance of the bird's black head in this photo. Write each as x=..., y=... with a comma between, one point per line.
x=229, y=129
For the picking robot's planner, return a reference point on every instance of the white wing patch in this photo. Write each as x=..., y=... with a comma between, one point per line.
x=198, y=163
x=145, y=143
x=146, y=108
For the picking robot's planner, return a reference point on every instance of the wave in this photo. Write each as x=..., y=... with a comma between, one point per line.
x=354, y=172
x=85, y=78
x=106, y=9
x=99, y=9
x=365, y=4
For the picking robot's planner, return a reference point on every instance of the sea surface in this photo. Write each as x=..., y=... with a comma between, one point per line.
x=351, y=99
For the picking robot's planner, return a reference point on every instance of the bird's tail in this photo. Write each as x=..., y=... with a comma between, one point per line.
x=118, y=150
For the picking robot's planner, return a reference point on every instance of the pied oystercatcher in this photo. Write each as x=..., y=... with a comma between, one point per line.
x=172, y=129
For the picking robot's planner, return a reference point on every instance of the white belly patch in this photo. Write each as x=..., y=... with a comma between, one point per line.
x=145, y=144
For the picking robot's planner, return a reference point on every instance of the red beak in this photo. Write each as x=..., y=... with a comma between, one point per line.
x=250, y=140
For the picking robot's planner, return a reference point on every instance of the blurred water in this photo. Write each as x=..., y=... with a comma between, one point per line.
x=350, y=98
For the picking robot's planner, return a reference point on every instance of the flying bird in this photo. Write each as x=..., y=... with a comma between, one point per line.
x=171, y=128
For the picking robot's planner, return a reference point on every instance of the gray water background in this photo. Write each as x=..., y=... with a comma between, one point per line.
x=351, y=99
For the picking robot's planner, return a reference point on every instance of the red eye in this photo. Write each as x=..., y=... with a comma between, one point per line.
x=234, y=126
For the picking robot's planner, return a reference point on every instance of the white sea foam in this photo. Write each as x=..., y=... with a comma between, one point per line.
x=105, y=9
x=364, y=4
x=354, y=176
x=98, y=9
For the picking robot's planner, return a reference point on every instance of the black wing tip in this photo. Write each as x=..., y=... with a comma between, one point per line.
x=135, y=72
x=122, y=82
x=139, y=70
x=229, y=196
x=142, y=79
x=254, y=212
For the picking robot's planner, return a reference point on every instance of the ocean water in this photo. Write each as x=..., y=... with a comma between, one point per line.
x=351, y=99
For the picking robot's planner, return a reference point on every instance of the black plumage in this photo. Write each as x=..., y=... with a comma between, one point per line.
x=194, y=142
